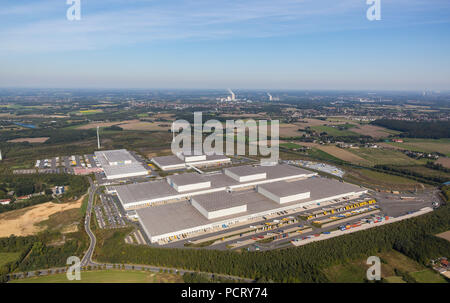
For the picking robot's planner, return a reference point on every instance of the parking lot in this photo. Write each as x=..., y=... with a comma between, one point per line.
x=107, y=213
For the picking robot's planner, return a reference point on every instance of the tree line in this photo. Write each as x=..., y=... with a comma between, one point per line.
x=420, y=129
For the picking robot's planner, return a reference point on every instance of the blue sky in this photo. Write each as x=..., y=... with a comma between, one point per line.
x=272, y=44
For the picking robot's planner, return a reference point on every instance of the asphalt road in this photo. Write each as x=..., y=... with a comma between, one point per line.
x=87, y=259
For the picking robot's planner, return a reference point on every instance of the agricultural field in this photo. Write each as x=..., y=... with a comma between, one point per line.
x=343, y=154
x=108, y=276
x=30, y=140
x=373, y=179
x=427, y=171
x=373, y=130
x=445, y=162
x=290, y=145
x=6, y=257
x=423, y=145
x=90, y=111
x=332, y=131
x=137, y=125
x=391, y=263
x=375, y=156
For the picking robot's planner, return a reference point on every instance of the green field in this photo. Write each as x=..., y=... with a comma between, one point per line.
x=425, y=145
x=384, y=156
x=394, y=279
x=427, y=276
x=332, y=131
x=6, y=257
x=290, y=145
x=373, y=179
x=108, y=276
x=355, y=271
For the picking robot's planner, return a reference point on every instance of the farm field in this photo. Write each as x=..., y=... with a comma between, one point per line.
x=376, y=156
x=6, y=257
x=373, y=131
x=131, y=125
x=108, y=276
x=424, y=145
x=30, y=140
x=343, y=154
x=290, y=145
x=444, y=162
x=334, y=131
x=426, y=171
x=373, y=179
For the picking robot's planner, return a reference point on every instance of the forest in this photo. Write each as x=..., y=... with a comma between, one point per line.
x=412, y=237
x=422, y=129
x=39, y=183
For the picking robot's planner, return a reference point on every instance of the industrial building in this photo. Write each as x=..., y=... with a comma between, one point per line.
x=209, y=212
x=120, y=163
x=187, y=204
x=182, y=161
x=184, y=186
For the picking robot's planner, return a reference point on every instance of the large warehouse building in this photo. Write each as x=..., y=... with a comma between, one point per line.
x=208, y=212
x=189, y=203
x=184, y=186
x=120, y=164
x=181, y=161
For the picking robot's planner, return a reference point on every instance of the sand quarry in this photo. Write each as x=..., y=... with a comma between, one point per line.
x=22, y=222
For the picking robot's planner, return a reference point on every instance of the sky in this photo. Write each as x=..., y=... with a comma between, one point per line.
x=242, y=44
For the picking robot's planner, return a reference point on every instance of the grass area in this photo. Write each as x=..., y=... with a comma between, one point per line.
x=351, y=272
x=425, y=145
x=84, y=205
x=90, y=111
x=384, y=156
x=426, y=171
x=290, y=145
x=62, y=221
x=373, y=179
x=427, y=276
x=6, y=257
x=321, y=155
x=391, y=262
x=109, y=276
x=334, y=131
x=394, y=279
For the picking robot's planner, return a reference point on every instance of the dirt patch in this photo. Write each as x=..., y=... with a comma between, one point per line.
x=30, y=140
x=444, y=162
x=23, y=222
x=131, y=125
x=444, y=235
x=149, y=126
x=342, y=154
